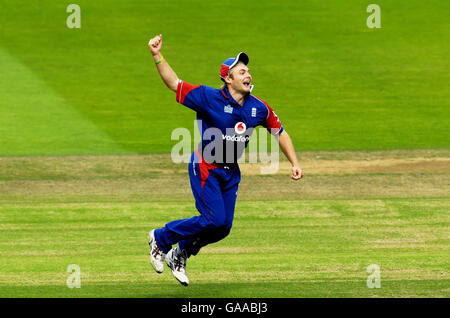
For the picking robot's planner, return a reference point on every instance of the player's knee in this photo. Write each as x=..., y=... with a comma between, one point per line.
x=219, y=233
x=218, y=223
x=223, y=230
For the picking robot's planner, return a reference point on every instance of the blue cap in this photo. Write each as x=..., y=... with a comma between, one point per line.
x=229, y=63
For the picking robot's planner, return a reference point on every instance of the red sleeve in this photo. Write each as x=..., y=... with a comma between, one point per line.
x=272, y=123
x=183, y=89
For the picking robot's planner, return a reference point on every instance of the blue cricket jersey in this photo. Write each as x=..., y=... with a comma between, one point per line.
x=225, y=126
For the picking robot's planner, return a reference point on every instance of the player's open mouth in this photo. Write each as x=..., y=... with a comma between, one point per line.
x=247, y=84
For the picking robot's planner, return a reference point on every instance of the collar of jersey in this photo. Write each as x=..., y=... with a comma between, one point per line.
x=227, y=95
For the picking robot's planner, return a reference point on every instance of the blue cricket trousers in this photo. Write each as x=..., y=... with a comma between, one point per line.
x=215, y=191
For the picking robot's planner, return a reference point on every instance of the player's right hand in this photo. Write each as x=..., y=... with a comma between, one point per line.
x=155, y=44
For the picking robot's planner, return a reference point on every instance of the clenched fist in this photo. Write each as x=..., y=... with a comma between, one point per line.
x=155, y=44
x=297, y=173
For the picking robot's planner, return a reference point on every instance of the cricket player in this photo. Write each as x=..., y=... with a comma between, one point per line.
x=227, y=116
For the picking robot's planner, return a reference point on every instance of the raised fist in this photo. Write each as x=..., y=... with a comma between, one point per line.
x=155, y=44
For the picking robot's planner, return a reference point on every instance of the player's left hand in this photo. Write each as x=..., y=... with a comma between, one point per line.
x=297, y=173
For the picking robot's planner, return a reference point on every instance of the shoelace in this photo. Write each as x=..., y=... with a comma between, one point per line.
x=179, y=262
x=156, y=251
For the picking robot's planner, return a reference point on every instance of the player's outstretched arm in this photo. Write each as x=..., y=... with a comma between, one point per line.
x=167, y=74
x=288, y=149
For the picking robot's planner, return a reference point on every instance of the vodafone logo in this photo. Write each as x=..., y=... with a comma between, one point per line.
x=236, y=138
x=240, y=128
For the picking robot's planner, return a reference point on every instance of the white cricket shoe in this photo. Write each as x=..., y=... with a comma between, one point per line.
x=156, y=255
x=177, y=263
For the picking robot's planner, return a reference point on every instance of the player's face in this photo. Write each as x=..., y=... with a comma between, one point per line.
x=240, y=78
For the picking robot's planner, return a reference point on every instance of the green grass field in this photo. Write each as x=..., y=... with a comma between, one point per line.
x=85, y=126
x=288, y=240
x=335, y=83
x=312, y=248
